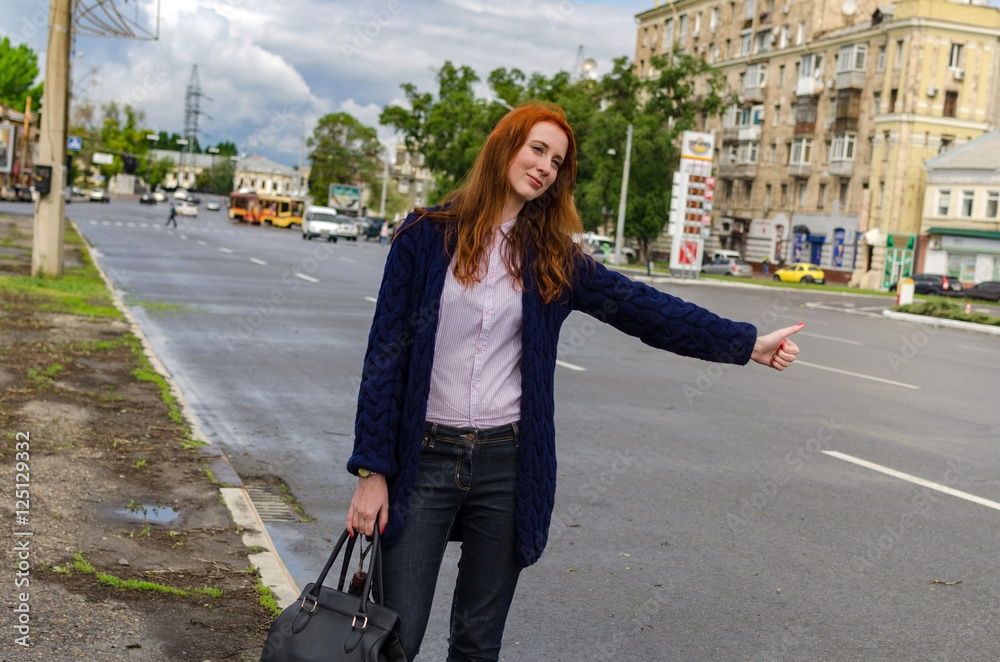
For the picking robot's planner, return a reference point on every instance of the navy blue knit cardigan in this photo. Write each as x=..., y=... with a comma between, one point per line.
x=392, y=403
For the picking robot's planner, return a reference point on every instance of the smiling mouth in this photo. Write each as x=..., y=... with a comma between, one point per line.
x=535, y=181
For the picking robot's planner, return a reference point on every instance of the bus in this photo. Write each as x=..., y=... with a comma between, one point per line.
x=244, y=207
x=281, y=210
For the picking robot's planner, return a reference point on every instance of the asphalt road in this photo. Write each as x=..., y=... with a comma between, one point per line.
x=703, y=512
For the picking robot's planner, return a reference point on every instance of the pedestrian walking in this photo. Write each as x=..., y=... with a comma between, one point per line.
x=459, y=372
x=765, y=265
x=383, y=233
x=172, y=218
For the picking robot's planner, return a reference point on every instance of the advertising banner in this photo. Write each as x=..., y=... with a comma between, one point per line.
x=8, y=132
x=345, y=199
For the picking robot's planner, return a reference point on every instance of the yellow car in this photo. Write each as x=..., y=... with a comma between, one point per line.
x=800, y=273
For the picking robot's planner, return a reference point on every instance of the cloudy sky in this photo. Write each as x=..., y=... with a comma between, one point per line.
x=268, y=69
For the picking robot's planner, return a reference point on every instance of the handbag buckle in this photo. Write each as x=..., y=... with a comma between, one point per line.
x=315, y=603
x=355, y=622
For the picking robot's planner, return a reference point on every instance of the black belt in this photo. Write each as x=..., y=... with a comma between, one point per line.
x=507, y=432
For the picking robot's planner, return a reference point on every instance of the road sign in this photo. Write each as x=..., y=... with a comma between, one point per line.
x=100, y=158
x=74, y=144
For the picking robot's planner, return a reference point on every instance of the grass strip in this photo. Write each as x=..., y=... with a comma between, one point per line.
x=83, y=566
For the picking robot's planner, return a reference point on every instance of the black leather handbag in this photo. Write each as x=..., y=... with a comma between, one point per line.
x=336, y=626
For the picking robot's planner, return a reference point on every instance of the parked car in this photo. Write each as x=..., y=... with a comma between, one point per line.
x=373, y=227
x=186, y=209
x=602, y=248
x=728, y=266
x=8, y=193
x=212, y=205
x=147, y=199
x=79, y=192
x=326, y=223
x=98, y=195
x=987, y=291
x=937, y=284
x=800, y=273
x=159, y=196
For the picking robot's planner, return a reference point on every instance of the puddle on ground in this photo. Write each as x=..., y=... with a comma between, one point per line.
x=148, y=514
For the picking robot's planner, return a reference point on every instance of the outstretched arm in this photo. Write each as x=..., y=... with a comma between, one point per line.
x=776, y=349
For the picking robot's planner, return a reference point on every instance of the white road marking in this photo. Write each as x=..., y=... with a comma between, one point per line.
x=144, y=225
x=817, y=335
x=857, y=374
x=305, y=277
x=229, y=250
x=570, y=366
x=119, y=224
x=105, y=222
x=914, y=479
x=260, y=262
x=979, y=349
x=95, y=223
x=372, y=299
x=183, y=236
x=202, y=243
x=347, y=259
x=130, y=224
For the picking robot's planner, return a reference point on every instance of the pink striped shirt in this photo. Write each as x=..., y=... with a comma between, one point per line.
x=476, y=376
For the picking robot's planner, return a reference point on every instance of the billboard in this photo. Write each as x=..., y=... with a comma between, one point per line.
x=8, y=132
x=345, y=199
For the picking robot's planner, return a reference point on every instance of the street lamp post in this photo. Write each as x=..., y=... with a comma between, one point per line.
x=152, y=138
x=214, y=151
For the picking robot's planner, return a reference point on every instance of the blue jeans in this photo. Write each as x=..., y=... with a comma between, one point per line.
x=467, y=481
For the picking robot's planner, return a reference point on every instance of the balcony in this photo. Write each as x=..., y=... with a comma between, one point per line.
x=850, y=79
x=808, y=86
x=800, y=170
x=730, y=134
x=843, y=124
x=748, y=133
x=752, y=94
x=841, y=168
x=805, y=128
x=738, y=171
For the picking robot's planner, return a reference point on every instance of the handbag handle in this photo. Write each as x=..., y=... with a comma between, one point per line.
x=374, y=568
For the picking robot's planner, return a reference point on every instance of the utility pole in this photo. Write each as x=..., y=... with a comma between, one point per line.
x=27, y=135
x=385, y=184
x=50, y=211
x=620, y=232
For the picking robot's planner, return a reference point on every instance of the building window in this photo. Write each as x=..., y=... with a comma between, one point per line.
x=795, y=107
x=801, y=153
x=729, y=119
x=943, y=201
x=788, y=152
x=826, y=153
x=786, y=34
x=992, y=202
x=800, y=33
x=668, y=35
x=748, y=10
x=774, y=153
x=763, y=41
x=852, y=58
x=729, y=47
x=767, y=196
x=950, y=103
x=805, y=110
x=844, y=184
x=821, y=202
x=885, y=146
x=881, y=58
x=899, y=53
x=777, y=115
x=747, y=152
x=968, y=198
x=802, y=194
x=731, y=153
x=946, y=142
x=748, y=193
x=756, y=76
x=876, y=102
x=682, y=33
x=962, y=266
x=893, y=95
x=843, y=147
x=955, y=57
x=781, y=76
x=713, y=20
x=697, y=25
x=746, y=40
x=784, y=195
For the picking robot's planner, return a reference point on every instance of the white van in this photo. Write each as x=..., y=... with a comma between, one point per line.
x=722, y=253
x=326, y=223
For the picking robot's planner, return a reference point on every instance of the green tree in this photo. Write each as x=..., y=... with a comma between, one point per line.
x=219, y=178
x=342, y=151
x=227, y=148
x=119, y=132
x=18, y=71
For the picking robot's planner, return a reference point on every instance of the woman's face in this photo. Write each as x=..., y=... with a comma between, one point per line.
x=537, y=163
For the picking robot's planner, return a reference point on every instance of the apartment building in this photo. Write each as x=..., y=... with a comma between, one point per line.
x=841, y=102
x=961, y=212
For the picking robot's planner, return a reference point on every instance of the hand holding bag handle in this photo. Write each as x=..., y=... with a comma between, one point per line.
x=334, y=626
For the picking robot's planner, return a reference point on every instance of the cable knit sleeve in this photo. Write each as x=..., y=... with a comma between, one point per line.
x=383, y=376
x=659, y=319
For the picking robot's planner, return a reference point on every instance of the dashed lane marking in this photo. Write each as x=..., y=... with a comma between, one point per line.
x=305, y=277
x=372, y=299
x=570, y=366
x=260, y=262
x=914, y=479
x=226, y=250
x=858, y=375
x=817, y=335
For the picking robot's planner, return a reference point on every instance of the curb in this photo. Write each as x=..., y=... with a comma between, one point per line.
x=273, y=572
x=937, y=321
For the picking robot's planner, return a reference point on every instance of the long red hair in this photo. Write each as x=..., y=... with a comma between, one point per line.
x=471, y=212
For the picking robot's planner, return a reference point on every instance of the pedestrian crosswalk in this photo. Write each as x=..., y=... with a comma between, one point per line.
x=159, y=227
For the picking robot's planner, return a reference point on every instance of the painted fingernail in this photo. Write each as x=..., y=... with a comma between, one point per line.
x=800, y=324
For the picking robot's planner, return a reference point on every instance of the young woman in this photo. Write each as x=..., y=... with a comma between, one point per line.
x=454, y=430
